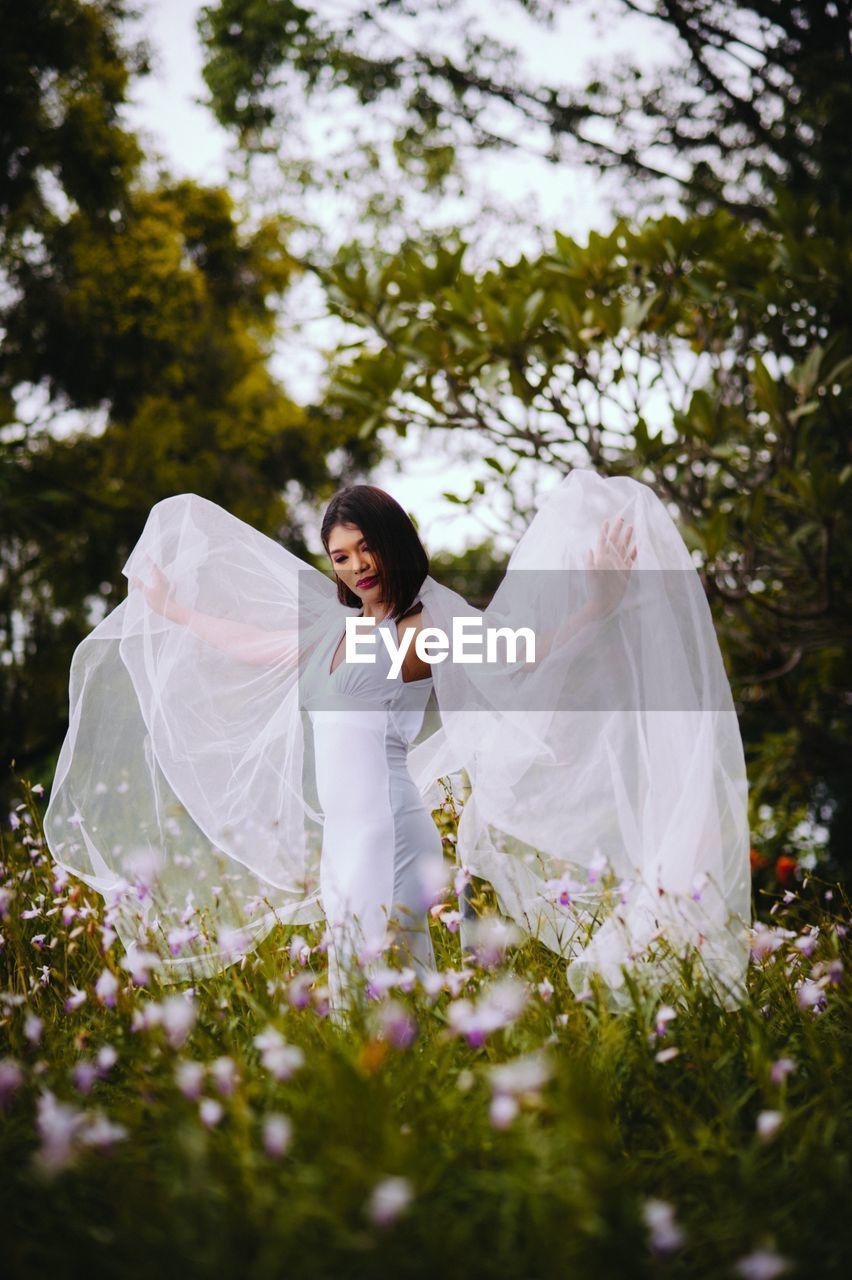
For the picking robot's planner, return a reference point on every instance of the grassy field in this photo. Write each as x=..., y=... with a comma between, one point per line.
x=489, y=1125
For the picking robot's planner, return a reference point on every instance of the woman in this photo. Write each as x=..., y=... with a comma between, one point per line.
x=223, y=755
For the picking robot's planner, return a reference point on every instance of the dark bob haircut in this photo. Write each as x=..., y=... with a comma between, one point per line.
x=401, y=556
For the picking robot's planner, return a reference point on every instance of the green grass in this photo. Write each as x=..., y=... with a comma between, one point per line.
x=560, y=1190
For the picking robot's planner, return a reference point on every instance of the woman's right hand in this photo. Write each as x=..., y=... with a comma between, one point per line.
x=157, y=592
x=613, y=553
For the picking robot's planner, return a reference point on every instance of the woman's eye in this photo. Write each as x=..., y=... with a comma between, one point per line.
x=365, y=547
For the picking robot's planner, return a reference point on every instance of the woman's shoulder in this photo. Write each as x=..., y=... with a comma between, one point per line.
x=411, y=620
x=414, y=668
x=413, y=611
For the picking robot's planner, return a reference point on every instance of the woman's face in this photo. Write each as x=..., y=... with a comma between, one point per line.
x=355, y=563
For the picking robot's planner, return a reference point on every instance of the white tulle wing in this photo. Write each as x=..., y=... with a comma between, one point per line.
x=183, y=770
x=618, y=751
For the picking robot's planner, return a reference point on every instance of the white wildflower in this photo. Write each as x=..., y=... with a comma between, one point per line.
x=388, y=1200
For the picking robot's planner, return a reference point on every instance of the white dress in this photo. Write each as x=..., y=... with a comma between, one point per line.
x=378, y=835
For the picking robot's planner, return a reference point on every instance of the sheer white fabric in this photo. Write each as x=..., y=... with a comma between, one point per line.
x=189, y=753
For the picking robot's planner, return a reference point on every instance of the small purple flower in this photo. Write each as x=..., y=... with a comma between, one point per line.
x=277, y=1134
x=396, y=1024
x=520, y=1079
x=664, y=1234
x=233, y=942
x=597, y=867
x=806, y=943
x=498, y=1006
x=225, y=1075
x=766, y=941
x=178, y=1015
x=389, y=1198
x=502, y=1110
x=11, y=1079
x=298, y=990
x=75, y=999
x=665, y=1014
x=33, y=1027
x=210, y=1112
x=142, y=866
x=85, y=1074
x=278, y=1057
x=699, y=884
x=763, y=1264
x=139, y=963
x=101, y=1132
x=781, y=1070
x=452, y=919
x=190, y=1079
x=300, y=950
x=433, y=984
x=563, y=889
x=106, y=988
x=105, y=1058
x=461, y=880
x=455, y=979
x=490, y=936
x=57, y=1125
x=179, y=938
x=320, y=998
x=768, y=1124
x=433, y=882
x=809, y=995
x=381, y=979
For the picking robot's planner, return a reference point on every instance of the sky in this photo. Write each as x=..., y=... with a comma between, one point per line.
x=166, y=110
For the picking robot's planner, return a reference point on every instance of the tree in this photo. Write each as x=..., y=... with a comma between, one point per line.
x=138, y=323
x=757, y=97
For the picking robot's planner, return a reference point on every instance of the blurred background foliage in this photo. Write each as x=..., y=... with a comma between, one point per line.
x=706, y=352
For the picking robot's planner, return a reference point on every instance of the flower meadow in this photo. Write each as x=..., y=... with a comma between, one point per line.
x=485, y=1122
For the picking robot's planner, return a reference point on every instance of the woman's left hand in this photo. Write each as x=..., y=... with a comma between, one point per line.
x=614, y=554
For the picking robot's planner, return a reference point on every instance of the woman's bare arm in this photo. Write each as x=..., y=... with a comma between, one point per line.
x=609, y=565
x=584, y=617
x=254, y=645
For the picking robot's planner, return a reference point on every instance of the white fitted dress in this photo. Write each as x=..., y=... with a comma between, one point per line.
x=378, y=835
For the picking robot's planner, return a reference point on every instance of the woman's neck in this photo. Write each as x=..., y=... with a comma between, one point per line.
x=380, y=612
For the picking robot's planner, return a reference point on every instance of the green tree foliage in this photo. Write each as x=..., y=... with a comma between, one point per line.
x=138, y=324
x=63, y=80
x=756, y=94
x=688, y=354
x=709, y=354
